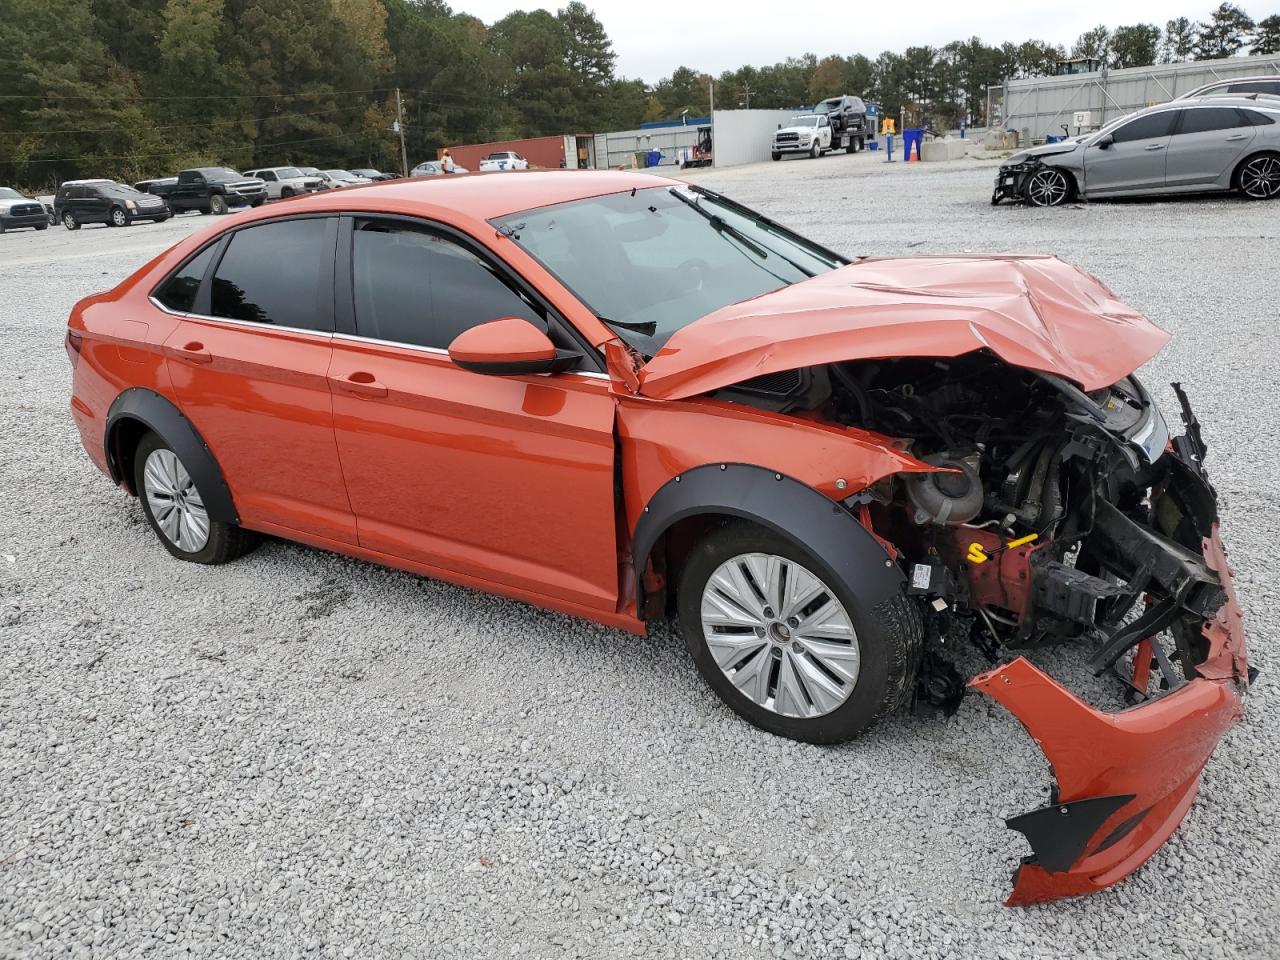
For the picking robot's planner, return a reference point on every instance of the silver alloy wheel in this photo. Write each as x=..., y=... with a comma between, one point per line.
x=175, y=502
x=1260, y=178
x=118, y=217
x=1047, y=188
x=780, y=635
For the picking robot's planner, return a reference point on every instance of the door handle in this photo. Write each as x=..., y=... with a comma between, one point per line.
x=360, y=383
x=194, y=352
x=1155, y=146
x=1235, y=137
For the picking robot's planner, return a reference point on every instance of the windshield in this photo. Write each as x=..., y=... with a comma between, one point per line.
x=802, y=122
x=120, y=190
x=288, y=173
x=653, y=261
x=339, y=174
x=221, y=173
x=8, y=194
x=826, y=106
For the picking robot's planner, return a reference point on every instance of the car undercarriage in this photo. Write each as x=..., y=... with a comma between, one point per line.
x=1054, y=516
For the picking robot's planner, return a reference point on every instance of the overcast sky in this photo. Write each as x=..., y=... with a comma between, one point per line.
x=653, y=37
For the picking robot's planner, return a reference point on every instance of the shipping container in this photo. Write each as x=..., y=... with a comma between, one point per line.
x=545, y=152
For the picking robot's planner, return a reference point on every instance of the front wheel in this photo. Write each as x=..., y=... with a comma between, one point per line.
x=776, y=155
x=175, y=508
x=1048, y=187
x=218, y=205
x=286, y=193
x=787, y=647
x=814, y=152
x=118, y=218
x=69, y=221
x=1259, y=177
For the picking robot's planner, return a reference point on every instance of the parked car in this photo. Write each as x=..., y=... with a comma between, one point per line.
x=214, y=190
x=809, y=133
x=832, y=472
x=1187, y=146
x=338, y=179
x=17, y=210
x=78, y=202
x=848, y=116
x=1240, y=85
x=375, y=175
x=283, y=182
x=434, y=168
x=160, y=186
x=315, y=174
x=503, y=160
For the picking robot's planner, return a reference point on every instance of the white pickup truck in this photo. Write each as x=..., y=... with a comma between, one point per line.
x=504, y=160
x=809, y=133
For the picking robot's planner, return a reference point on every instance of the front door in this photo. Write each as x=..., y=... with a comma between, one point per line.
x=1134, y=159
x=1208, y=143
x=249, y=362
x=505, y=480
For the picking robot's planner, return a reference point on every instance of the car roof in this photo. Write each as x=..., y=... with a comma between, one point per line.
x=1218, y=83
x=78, y=183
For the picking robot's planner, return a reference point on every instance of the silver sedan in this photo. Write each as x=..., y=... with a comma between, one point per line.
x=1187, y=146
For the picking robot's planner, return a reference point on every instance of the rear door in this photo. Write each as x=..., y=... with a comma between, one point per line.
x=190, y=191
x=1206, y=145
x=249, y=361
x=504, y=480
x=1134, y=161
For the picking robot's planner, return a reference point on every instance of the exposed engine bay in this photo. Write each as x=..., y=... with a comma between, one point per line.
x=1055, y=515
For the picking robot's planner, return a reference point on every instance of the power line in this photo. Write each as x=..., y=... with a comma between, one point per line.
x=185, y=126
x=230, y=96
x=169, y=153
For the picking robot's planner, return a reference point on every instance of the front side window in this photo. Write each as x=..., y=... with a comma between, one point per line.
x=178, y=293
x=1148, y=127
x=652, y=261
x=190, y=177
x=1208, y=119
x=416, y=286
x=272, y=273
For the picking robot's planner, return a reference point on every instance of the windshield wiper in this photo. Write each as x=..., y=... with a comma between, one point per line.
x=718, y=223
x=647, y=327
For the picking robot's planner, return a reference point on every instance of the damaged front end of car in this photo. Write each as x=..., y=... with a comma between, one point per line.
x=1056, y=516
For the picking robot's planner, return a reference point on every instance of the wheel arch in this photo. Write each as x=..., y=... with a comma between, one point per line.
x=690, y=503
x=137, y=411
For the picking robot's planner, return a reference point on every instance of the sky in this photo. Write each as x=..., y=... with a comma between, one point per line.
x=653, y=37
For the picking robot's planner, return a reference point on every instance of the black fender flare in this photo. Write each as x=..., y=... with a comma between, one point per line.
x=842, y=547
x=158, y=413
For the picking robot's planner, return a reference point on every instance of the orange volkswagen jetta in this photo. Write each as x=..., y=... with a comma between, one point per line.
x=829, y=472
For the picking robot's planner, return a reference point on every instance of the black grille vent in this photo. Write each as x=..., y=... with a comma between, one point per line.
x=25, y=209
x=780, y=384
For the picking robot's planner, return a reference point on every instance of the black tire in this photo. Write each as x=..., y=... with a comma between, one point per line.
x=286, y=192
x=890, y=640
x=814, y=152
x=118, y=217
x=1262, y=171
x=257, y=203
x=69, y=221
x=226, y=541
x=218, y=205
x=776, y=155
x=1048, y=187
x=851, y=146
x=42, y=226
x=163, y=218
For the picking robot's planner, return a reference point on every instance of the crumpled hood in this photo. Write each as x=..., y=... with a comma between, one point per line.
x=1044, y=150
x=1033, y=312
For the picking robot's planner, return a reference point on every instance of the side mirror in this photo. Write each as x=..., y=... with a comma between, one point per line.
x=1105, y=142
x=506, y=347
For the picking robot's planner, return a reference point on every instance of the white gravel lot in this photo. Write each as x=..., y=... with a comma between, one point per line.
x=303, y=755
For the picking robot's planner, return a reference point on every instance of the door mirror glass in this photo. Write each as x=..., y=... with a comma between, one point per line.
x=504, y=347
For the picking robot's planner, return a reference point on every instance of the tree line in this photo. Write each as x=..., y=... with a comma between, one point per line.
x=137, y=88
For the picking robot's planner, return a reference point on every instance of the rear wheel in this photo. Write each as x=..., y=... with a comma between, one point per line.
x=1048, y=187
x=218, y=205
x=42, y=226
x=69, y=221
x=788, y=648
x=1259, y=177
x=175, y=508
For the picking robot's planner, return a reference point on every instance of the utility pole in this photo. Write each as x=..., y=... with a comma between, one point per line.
x=404, y=155
x=747, y=90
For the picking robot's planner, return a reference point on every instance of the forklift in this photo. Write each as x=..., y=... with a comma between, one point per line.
x=701, y=155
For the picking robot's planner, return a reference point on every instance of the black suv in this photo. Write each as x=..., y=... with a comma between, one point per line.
x=848, y=121
x=105, y=201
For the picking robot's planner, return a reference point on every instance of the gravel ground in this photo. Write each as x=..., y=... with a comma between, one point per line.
x=303, y=755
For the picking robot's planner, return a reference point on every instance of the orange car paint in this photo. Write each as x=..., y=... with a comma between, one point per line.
x=530, y=486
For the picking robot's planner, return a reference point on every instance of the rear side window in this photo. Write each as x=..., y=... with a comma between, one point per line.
x=1257, y=119
x=178, y=293
x=272, y=274
x=415, y=286
x=1150, y=127
x=1208, y=119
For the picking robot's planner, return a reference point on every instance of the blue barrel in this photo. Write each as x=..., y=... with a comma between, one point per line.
x=655, y=157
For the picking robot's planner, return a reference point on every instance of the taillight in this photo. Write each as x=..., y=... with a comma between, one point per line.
x=73, y=344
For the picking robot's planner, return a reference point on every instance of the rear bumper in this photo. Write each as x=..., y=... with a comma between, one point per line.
x=1124, y=780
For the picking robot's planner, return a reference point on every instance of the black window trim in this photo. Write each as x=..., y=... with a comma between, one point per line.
x=202, y=308
x=344, y=286
x=1241, y=119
